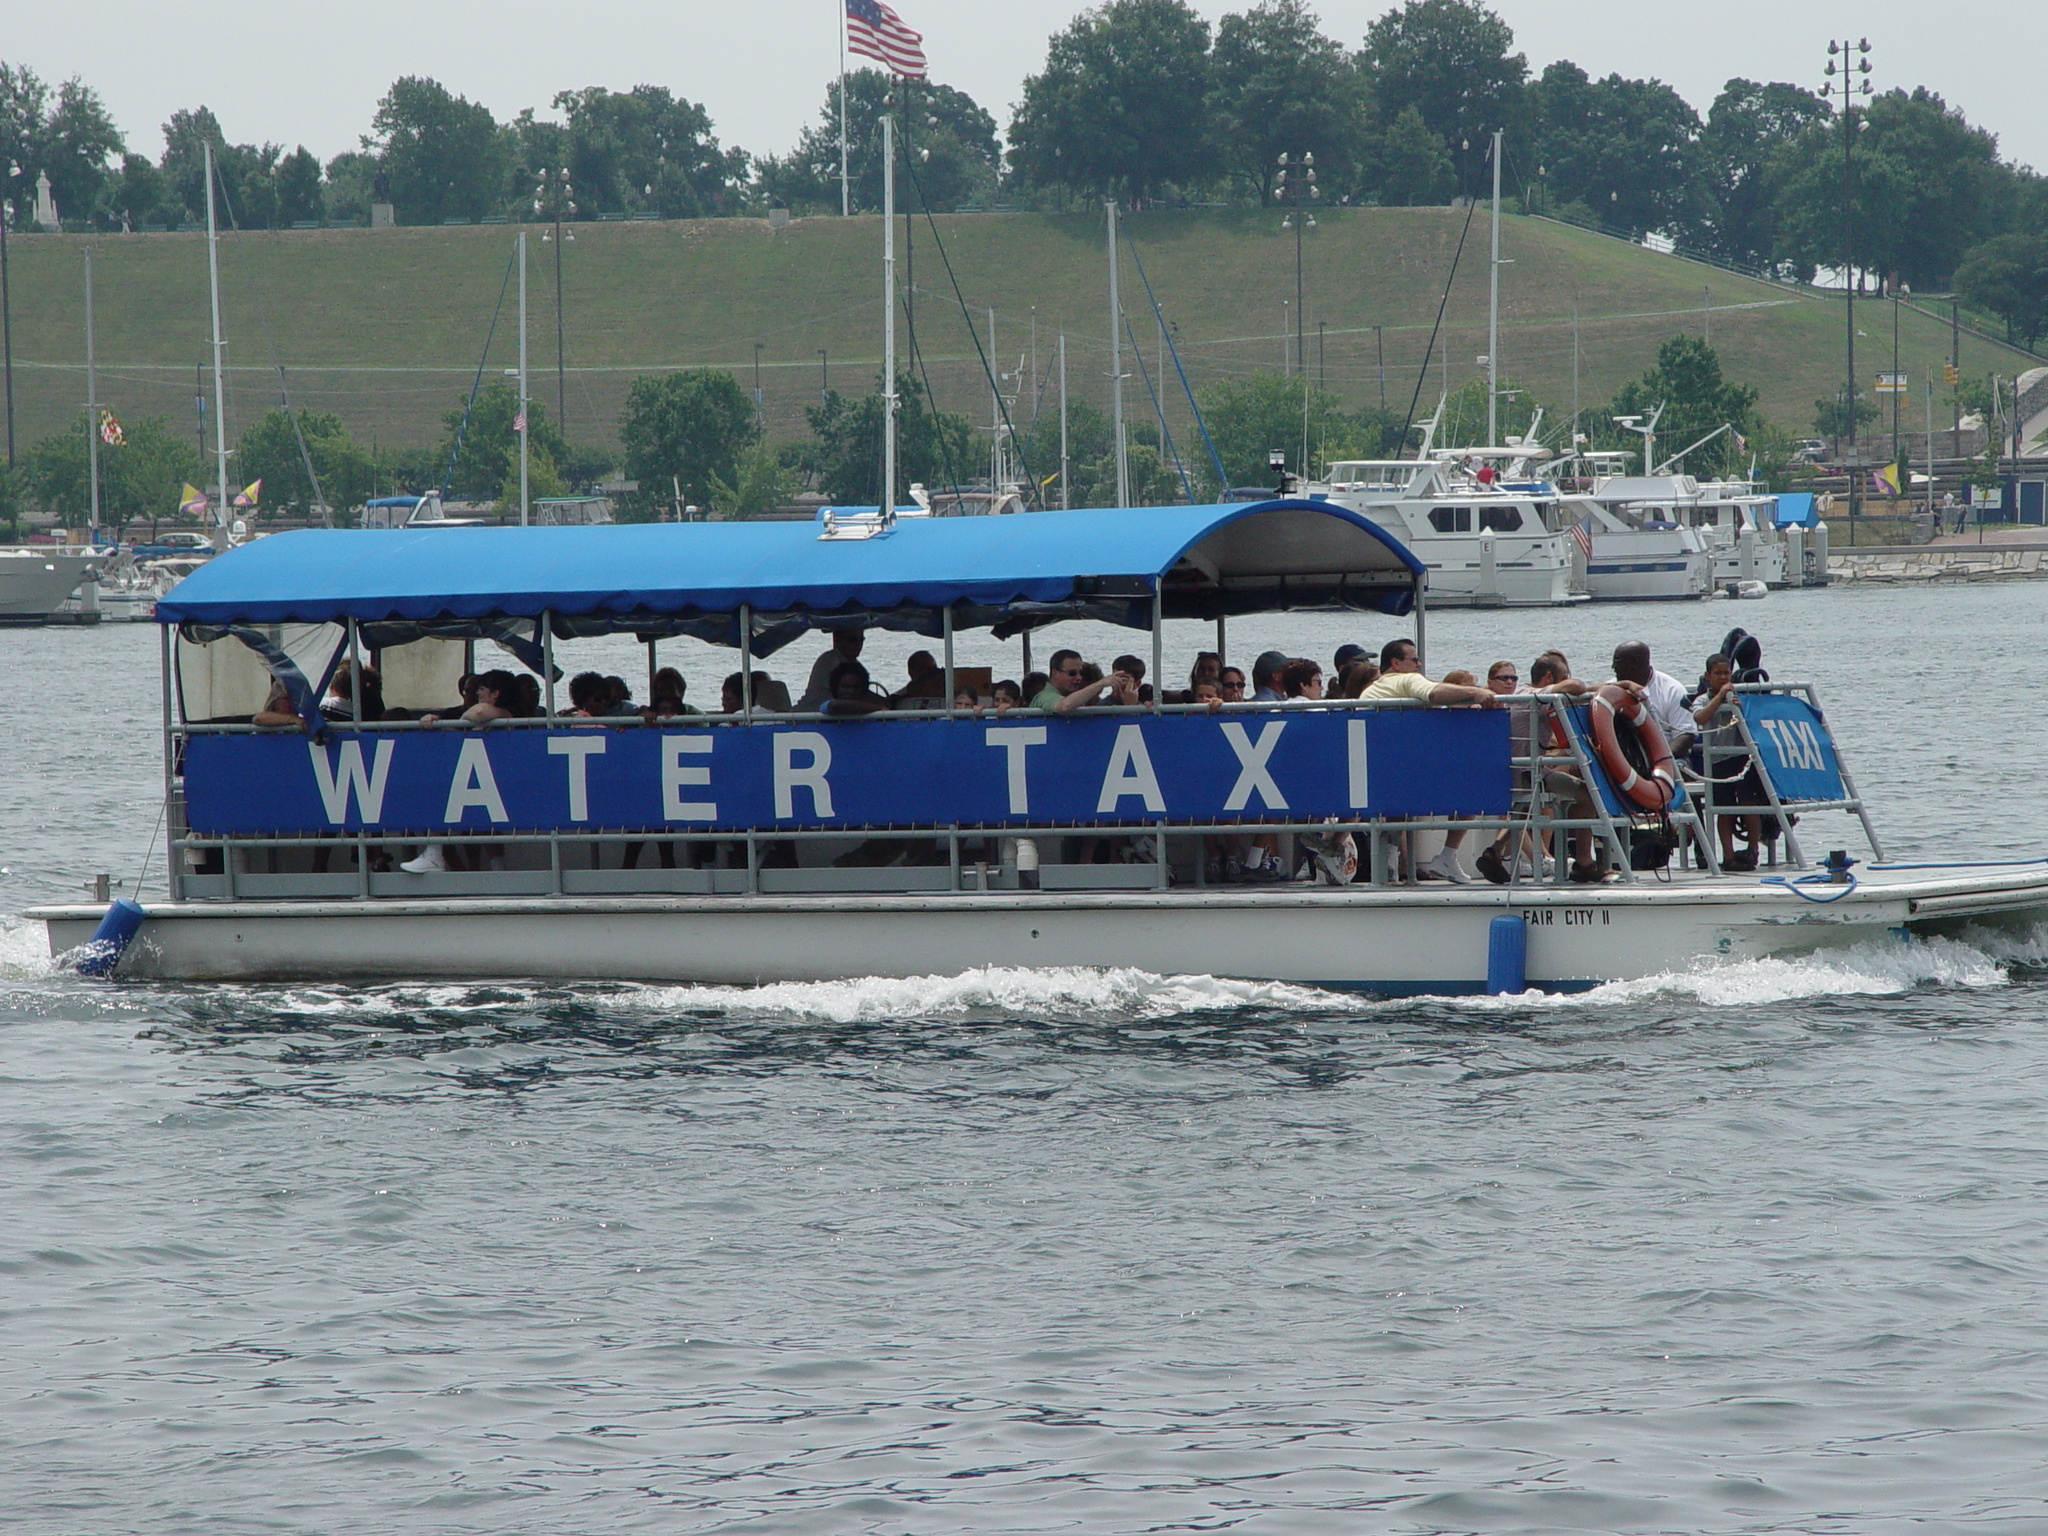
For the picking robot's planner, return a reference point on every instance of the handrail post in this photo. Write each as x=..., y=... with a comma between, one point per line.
x=1158, y=639
x=355, y=675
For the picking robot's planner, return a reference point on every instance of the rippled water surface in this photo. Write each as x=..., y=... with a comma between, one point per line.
x=1755, y=1249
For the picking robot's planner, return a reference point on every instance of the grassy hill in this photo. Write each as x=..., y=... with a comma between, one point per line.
x=385, y=327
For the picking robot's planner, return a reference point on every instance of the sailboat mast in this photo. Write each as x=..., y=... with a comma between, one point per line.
x=1493, y=312
x=888, y=497
x=1065, y=502
x=92, y=407
x=1116, y=367
x=220, y=402
x=525, y=428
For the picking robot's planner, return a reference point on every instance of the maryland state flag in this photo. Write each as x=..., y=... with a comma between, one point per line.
x=248, y=495
x=1888, y=479
x=110, y=430
x=192, y=502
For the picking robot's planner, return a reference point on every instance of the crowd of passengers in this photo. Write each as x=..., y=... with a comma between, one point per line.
x=1694, y=722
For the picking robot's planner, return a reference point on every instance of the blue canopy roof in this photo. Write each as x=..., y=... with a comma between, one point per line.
x=1216, y=559
x=1795, y=509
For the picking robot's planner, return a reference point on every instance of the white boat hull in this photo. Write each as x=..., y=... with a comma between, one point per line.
x=34, y=582
x=1427, y=940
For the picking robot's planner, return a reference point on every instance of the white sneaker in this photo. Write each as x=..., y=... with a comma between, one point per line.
x=1445, y=866
x=429, y=862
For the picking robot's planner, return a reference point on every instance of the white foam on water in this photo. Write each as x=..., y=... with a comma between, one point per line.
x=1876, y=969
x=25, y=951
x=1123, y=993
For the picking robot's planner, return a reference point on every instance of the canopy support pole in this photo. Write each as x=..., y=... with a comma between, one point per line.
x=547, y=660
x=747, y=680
x=1222, y=655
x=355, y=673
x=1421, y=655
x=1158, y=650
x=946, y=616
x=1027, y=657
x=652, y=666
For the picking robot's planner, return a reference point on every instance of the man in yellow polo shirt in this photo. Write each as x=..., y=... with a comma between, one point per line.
x=1401, y=678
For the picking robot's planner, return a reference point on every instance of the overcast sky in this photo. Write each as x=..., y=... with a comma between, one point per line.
x=313, y=74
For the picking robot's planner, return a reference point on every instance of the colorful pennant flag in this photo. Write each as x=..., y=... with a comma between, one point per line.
x=879, y=33
x=110, y=430
x=193, y=501
x=247, y=496
x=1887, y=479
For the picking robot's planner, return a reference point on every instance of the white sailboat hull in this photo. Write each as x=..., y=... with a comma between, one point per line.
x=35, y=582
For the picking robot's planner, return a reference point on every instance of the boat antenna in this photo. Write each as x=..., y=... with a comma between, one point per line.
x=1471, y=207
x=1172, y=351
x=987, y=369
x=469, y=405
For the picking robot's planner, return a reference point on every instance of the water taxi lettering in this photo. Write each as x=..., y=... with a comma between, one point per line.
x=1015, y=741
x=1798, y=744
x=857, y=773
x=789, y=777
x=1569, y=917
x=579, y=750
x=676, y=776
x=1253, y=776
x=1129, y=773
x=346, y=776
x=473, y=784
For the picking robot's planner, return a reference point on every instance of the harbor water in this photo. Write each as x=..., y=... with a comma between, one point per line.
x=1754, y=1248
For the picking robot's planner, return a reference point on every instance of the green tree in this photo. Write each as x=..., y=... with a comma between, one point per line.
x=488, y=457
x=2008, y=276
x=846, y=459
x=1747, y=128
x=443, y=153
x=1122, y=104
x=1687, y=382
x=760, y=483
x=1249, y=417
x=1450, y=60
x=1628, y=149
x=951, y=137
x=270, y=450
x=1831, y=417
x=351, y=185
x=1411, y=167
x=66, y=135
x=687, y=427
x=1926, y=187
x=142, y=195
x=643, y=150
x=298, y=188
x=1283, y=88
x=13, y=486
x=140, y=479
x=247, y=173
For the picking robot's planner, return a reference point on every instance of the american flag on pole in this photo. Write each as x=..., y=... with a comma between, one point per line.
x=519, y=421
x=875, y=30
x=1583, y=537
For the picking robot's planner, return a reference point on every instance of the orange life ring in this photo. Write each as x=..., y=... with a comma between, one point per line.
x=1659, y=790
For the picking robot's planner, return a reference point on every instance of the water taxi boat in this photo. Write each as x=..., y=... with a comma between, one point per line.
x=753, y=847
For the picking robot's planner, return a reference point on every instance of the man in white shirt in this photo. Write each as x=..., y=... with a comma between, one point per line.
x=1663, y=693
x=845, y=647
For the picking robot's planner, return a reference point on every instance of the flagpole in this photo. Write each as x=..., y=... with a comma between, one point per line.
x=220, y=403
x=845, y=187
x=92, y=408
x=525, y=427
x=887, y=506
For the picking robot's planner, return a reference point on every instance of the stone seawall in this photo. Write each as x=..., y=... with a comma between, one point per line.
x=1937, y=562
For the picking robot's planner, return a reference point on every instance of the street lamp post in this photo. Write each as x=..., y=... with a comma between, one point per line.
x=824, y=376
x=1298, y=186
x=1845, y=84
x=7, y=304
x=757, y=378
x=553, y=197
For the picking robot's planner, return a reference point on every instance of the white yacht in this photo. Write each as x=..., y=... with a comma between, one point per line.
x=1487, y=545
x=34, y=582
x=1736, y=520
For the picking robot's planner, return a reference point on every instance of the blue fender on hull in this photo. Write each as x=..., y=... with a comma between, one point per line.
x=102, y=952
x=1507, y=955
